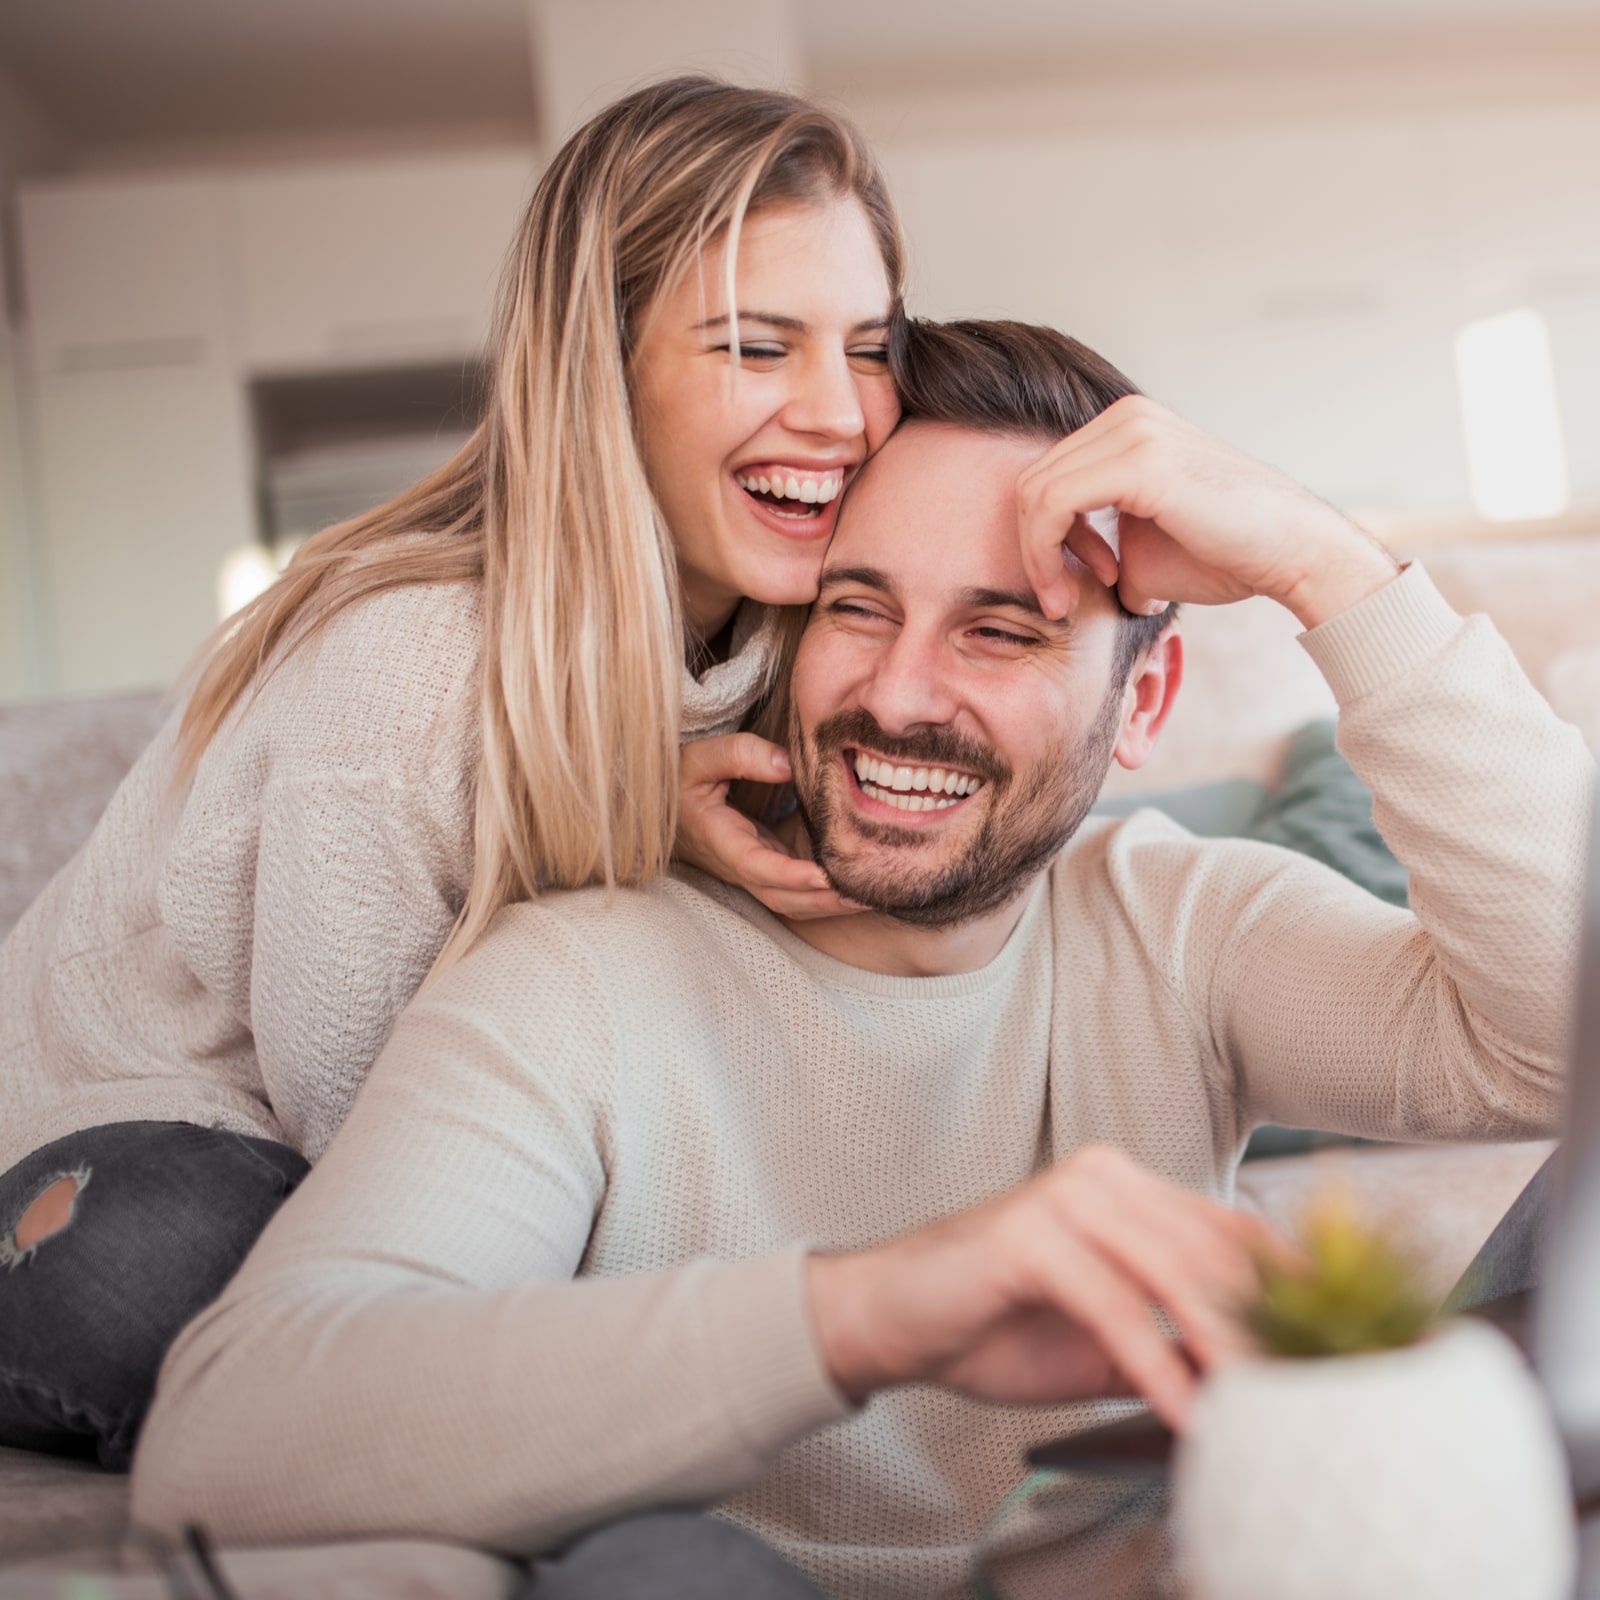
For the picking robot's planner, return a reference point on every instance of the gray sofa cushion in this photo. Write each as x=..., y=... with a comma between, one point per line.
x=52, y=1503
x=409, y=1569
x=64, y=1526
x=60, y=762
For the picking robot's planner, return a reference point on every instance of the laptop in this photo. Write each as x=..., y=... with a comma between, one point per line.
x=1556, y=1323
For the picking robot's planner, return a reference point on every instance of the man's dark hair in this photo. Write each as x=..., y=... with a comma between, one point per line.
x=1013, y=377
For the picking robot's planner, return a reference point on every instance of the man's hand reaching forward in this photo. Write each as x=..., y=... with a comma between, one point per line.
x=1045, y=1294
x=1197, y=522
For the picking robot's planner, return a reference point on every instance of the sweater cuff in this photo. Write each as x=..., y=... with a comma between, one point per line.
x=762, y=1340
x=1383, y=637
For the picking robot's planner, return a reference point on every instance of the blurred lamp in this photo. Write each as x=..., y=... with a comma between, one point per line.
x=1515, y=458
x=244, y=574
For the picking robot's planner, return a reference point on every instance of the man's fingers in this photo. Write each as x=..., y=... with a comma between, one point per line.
x=1054, y=505
x=732, y=755
x=1181, y=1250
x=1084, y=1287
x=1128, y=424
x=1268, y=1247
x=1090, y=547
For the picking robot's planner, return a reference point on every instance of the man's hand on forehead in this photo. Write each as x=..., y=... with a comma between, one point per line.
x=1195, y=521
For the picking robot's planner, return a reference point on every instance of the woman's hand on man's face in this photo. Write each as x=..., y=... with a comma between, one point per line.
x=729, y=845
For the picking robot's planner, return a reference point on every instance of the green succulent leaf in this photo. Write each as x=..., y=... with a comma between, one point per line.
x=1360, y=1291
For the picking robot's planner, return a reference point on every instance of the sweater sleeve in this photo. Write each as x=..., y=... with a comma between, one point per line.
x=356, y=888
x=1451, y=1021
x=325, y=848
x=409, y=1322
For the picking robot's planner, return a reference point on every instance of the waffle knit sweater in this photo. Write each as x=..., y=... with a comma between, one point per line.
x=236, y=956
x=552, y=1269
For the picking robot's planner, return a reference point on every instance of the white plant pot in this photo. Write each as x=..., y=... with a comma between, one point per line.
x=1428, y=1473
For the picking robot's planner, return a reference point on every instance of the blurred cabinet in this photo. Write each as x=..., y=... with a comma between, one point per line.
x=143, y=478
x=155, y=300
x=124, y=273
x=373, y=265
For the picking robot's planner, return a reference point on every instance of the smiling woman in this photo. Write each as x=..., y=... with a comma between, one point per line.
x=463, y=697
x=753, y=419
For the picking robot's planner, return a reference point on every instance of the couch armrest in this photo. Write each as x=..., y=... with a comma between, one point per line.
x=1444, y=1199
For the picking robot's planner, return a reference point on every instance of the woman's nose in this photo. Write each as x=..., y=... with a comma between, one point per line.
x=828, y=401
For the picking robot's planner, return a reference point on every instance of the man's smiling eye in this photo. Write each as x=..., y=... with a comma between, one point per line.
x=990, y=630
x=854, y=608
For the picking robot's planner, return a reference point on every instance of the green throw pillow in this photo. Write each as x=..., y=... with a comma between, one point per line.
x=1323, y=810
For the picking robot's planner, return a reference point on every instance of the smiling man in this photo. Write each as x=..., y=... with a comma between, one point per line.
x=948, y=737
x=660, y=1200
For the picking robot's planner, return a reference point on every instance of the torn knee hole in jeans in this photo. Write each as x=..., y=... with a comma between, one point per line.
x=47, y=1214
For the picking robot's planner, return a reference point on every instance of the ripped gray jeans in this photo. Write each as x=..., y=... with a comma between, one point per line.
x=162, y=1216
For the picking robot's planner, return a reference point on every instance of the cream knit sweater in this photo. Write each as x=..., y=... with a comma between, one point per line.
x=552, y=1268
x=236, y=956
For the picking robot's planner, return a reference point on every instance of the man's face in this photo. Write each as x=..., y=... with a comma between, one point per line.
x=947, y=737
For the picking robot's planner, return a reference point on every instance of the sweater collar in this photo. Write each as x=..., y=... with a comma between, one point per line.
x=722, y=694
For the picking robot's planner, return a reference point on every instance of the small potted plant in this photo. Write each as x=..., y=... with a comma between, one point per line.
x=1370, y=1452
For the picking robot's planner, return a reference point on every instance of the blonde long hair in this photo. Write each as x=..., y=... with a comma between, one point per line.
x=547, y=504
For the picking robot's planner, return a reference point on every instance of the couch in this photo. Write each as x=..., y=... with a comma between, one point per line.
x=1249, y=688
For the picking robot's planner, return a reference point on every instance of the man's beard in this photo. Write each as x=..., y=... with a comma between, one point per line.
x=1025, y=826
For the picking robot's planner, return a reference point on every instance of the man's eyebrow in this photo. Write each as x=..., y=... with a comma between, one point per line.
x=1011, y=599
x=971, y=599
x=776, y=319
x=866, y=577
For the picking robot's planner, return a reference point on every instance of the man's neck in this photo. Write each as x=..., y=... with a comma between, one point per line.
x=878, y=943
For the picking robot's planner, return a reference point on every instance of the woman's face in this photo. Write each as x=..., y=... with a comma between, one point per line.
x=748, y=461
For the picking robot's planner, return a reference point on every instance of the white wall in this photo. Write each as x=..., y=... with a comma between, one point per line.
x=27, y=145
x=1280, y=247
x=1293, y=283
x=16, y=677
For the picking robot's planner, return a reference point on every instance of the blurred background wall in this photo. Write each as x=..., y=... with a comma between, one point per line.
x=248, y=250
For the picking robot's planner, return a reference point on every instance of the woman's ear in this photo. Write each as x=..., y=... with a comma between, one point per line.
x=1152, y=687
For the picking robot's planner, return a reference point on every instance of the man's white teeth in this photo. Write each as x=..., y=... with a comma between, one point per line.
x=884, y=780
x=809, y=491
x=908, y=802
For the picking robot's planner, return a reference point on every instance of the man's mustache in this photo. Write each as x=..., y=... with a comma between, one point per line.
x=928, y=747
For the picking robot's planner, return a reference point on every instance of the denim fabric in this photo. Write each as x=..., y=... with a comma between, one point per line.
x=164, y=1214
x=669, y=1555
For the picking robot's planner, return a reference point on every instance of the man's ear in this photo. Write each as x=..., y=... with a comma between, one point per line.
x=1152, y=687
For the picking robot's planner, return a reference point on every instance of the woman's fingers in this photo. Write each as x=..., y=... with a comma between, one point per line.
x=729, y=845
x=732, y=756
x=808, y=905
x=785, y=884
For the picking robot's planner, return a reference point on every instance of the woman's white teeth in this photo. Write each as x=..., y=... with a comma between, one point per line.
x=913, y=788
x=809, y=491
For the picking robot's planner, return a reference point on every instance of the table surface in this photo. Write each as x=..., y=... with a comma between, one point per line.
x=1060, y=1535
